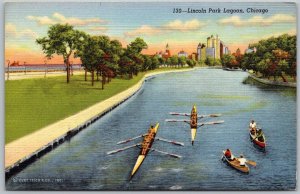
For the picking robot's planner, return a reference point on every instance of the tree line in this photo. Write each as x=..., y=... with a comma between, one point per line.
x=100, y=55
x=273, y=57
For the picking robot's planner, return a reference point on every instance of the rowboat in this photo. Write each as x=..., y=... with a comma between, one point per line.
x=193, y=121
x=145, y=147
x=261, y=143
x=234, y=163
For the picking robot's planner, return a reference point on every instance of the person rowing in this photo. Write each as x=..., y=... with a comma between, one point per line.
x=242, y=160
x=259, y=135
x=252, y=127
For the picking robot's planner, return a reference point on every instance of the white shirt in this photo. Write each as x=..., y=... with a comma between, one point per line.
x=242, y=161
x=253, y=125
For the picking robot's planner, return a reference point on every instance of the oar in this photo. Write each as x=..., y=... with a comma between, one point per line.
x=170, y=141
x=122, y=149
x=177, y=120
x=210, y=123
x=252, y=163
x=166, y=153
x=133, y=138
x=182, y=114
x=210, y=115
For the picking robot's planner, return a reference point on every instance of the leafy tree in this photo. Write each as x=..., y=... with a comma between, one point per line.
x=155, y=62
x=191, y=62
x=62, y=40
x=209, y=61
x=90, y=55
x=279, y=54
x=174, y=60
x=147, y=63
x=227, y=60
x=133, y=51
x=182, y=61
x=162, y=60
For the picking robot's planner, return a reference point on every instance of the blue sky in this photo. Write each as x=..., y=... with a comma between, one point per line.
x=155, y=22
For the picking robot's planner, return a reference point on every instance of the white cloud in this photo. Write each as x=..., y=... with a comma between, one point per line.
x=189, y=25
x=143, y=30
x=257, y=20
x=98, y=29
x=176, y=25
x=59, y=18
x=11, y=31
x=41, y=20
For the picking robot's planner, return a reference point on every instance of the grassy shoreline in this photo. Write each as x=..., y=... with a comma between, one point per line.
x=31, y=104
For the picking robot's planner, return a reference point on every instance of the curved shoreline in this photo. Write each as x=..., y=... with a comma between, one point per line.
x=274, y=83
x=25, y=150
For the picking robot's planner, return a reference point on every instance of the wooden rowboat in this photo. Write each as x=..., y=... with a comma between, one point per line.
x=235, y=164
x=260, y=143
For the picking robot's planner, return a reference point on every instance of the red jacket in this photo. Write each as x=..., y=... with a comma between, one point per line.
x=228, y=154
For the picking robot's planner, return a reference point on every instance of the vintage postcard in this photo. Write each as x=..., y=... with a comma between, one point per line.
x=150, y=96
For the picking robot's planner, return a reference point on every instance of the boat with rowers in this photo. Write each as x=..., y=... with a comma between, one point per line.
x=235, y=163
x=146, y=146
x=258, y=138
x=194, y=120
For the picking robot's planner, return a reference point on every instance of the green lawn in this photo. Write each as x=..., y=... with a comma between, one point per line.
x=31, y=104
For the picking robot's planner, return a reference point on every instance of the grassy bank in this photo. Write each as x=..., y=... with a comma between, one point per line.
x=31, y=104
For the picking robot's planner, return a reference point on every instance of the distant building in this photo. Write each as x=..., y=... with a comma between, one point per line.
x=214, y=48
x=213, y=42
x=210, y=52
x=166, y=54
x=182, y=54
x=249, y=50
x=201, y=52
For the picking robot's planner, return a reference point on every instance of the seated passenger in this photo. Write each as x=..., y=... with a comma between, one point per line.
x=242, y=160
x=228, y=154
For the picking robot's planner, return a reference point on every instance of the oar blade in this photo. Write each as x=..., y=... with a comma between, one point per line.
x=130, y=139
x=166, y=153
x=211, y=123
x=252, y=163
x=181, y=114
x=170, y=141
x=121, y=149
x=176, y=120
x=210, y=115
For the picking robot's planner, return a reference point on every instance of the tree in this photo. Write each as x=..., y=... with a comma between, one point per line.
x=227, y=60
x=191, y=62
x=181, y=61
x=155, y=62
x=238, y=57
x=209, y=61
x=162, y=60
x=278, y=54
x=279, y=60
x=62, y=40
x=147, y=63
x=133, y=51
x=174, y=60
x=90, y=55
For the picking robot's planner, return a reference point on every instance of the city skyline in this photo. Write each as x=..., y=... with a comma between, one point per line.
x=154, y=22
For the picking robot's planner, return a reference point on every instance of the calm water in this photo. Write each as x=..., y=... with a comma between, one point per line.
x=82, y=163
